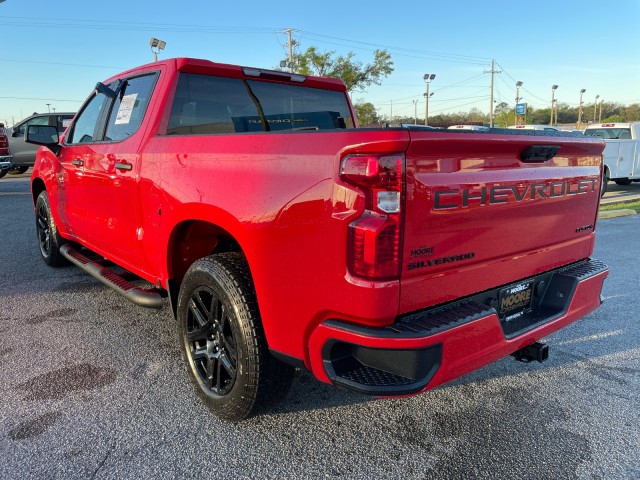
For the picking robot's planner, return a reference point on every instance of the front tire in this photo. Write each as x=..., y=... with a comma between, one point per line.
x=605, y=182
x=222, y=339
x=49, y=240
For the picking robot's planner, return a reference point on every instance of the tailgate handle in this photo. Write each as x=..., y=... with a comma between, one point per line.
x=539, y=153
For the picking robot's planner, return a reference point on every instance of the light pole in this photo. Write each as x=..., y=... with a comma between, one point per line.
x=158, y=45
x=427, y=78
x=595, y=107
x=415, y=111
x=580, y=108
x=600, y=114
x=518, y=85
x=48, y=107
x=553, y=99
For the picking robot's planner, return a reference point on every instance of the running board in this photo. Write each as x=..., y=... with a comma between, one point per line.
x=150, y=298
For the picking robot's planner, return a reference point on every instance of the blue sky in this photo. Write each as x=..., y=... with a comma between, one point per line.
x=54, y=52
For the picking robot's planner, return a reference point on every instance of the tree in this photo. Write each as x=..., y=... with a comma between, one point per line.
x=355, y=75
x=366, y=113
x=503, y=115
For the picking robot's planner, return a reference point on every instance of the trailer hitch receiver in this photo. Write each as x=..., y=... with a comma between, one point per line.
x=536, y=351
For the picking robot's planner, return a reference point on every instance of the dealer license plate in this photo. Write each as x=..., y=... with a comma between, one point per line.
x=513, y=301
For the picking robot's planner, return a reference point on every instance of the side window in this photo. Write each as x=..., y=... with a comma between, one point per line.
x=33, y=121
x=84, y=128
x=129, y=107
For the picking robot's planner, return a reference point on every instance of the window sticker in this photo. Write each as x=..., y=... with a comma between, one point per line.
x=125, y=110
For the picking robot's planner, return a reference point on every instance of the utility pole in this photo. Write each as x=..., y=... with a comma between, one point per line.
x=290, y=45
x=553, y=99
x=493, y=72
x=391, y=116
x=415, y=111
x=595, y=107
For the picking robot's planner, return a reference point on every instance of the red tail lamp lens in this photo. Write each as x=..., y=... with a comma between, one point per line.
x=374, y=237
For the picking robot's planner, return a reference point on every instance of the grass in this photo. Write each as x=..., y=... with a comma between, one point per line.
x=633, y=205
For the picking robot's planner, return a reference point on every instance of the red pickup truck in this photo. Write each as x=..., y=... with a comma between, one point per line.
x=387, y=261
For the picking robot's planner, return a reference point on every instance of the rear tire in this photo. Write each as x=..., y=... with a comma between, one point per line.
x=3, y=173
x=49, y=240
x=19, y=170
x=623, y=181
x=223, y=342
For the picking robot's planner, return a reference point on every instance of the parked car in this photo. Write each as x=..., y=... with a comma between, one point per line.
x=5, y=158
x=23, y=155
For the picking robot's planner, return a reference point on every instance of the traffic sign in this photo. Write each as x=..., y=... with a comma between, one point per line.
x=521, y=108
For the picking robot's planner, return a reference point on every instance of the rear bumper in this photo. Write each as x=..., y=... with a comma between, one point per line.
x=428, y=348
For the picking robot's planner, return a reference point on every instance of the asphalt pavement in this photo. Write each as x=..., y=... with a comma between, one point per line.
x=94, y=387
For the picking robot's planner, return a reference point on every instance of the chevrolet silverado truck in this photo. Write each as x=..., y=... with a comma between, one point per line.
x=387, y=260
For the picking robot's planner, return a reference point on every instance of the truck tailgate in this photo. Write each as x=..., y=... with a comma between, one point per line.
x=485, y=210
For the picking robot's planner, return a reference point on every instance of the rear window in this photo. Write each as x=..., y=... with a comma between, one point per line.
x=206, y=104
x=610, y=133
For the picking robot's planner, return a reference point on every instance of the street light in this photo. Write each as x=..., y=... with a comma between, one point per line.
x=580, y=108
x=553, y=99
x=48, y=107
x=158, y=45
x=518, y=85
x=427, y=78
x=595, y=107
x=415, y=111
x=600, y=114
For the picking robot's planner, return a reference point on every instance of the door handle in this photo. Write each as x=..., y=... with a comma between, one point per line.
x=123, y=166
x=77, y=162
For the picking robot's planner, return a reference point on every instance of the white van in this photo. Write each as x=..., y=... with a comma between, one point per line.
x=621, y=152
x=535, y=127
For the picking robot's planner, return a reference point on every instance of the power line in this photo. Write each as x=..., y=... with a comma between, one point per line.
x=60, y=63
x=45, y=99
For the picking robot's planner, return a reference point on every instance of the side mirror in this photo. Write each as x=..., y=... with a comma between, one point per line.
x=43, y=135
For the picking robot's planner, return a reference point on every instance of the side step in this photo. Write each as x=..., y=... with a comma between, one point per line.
x=150, y=297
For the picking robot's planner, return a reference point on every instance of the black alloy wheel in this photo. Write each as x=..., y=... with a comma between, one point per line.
x=49, y=240
x=43, y=229
x=212, y=346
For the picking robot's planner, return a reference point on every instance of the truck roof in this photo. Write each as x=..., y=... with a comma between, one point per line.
x=207, y=67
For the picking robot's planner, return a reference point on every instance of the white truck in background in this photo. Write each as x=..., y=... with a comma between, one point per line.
x=621, y=152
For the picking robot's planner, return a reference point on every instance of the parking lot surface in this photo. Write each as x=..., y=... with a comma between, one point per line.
x=93, y=386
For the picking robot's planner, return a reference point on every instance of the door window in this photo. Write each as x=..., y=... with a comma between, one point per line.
x=84, y=129
x=129, y=107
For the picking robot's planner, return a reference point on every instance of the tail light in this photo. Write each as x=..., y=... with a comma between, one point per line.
x=373, y=249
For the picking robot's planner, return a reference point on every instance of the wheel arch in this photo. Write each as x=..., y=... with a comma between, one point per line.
x=191, y=239
x=37, y=187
